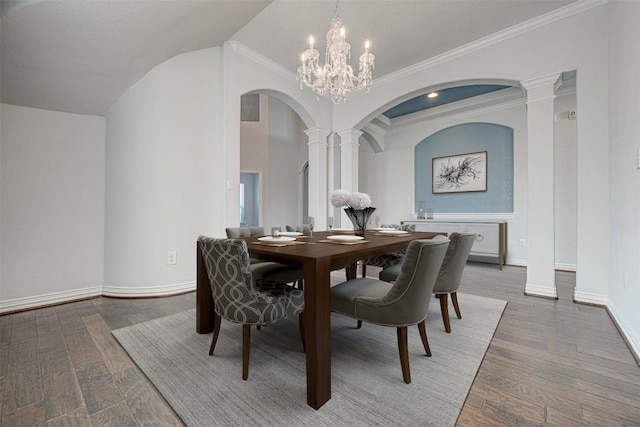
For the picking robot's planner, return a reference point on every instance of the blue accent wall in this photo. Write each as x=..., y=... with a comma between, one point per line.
x=496, y=140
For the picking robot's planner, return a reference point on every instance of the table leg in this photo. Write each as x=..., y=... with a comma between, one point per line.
x=317, y=312
x=204, y=299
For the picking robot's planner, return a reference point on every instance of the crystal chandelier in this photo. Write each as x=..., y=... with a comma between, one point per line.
x=335, y=79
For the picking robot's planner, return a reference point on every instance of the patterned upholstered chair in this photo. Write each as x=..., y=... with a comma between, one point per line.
x=387, y=260
x=240, y=299
x=400, y=304
x=448, y=280
x=266, y=270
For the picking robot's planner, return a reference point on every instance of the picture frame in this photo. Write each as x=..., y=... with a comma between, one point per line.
x=460, y=173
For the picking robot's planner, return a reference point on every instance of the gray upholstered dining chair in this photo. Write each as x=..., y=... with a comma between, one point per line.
x=299, y=228
x=266, y=270
x=448, y=280
x=239, y=298
x=237, y=232
x=400, y=304
x=387, y=260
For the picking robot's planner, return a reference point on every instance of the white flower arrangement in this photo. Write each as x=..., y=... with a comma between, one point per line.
x=342, y=198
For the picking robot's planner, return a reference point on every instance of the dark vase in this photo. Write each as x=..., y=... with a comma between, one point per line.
x=359, y=218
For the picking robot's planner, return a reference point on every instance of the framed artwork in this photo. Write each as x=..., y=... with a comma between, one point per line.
x=460, y=173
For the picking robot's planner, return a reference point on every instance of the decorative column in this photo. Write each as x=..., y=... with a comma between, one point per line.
x=332, y=179
x=540, y=184
x=349, y=147
x=318, y=198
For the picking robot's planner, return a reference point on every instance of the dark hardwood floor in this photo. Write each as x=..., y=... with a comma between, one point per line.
x=550, y=362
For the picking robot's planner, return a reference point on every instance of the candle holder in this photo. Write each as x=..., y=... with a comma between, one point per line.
x=421, y=206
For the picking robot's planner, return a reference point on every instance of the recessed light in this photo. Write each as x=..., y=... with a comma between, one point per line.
x=432, y=95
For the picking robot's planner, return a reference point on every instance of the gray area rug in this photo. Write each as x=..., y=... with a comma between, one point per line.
x=367, y=385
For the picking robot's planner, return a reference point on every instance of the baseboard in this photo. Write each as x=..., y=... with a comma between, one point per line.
x=20, y=304
x=27, y=303
x=147, y=291
x=558, y=266
x=589, y=298
x=625, y=330
x=517, y=262
x=544, y=291
x=565, y=267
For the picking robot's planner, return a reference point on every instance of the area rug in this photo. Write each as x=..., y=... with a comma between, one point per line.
x=367, y=385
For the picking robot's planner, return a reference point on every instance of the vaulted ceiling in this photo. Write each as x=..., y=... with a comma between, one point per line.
x=80, y=56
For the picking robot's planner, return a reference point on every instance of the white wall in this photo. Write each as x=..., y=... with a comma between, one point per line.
x=273, y=147
x=52, y=206
x=246, y=71
x=254, y=151
x=164, y=175
x=624, y=143
x=578, y=42
x=285, y=166
x=565, y=182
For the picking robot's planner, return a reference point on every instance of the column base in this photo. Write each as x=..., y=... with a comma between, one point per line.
x=544, y=291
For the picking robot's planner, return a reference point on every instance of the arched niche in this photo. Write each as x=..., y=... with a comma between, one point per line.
x=467, y=138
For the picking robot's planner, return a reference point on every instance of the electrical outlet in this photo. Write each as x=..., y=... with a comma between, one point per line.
x=172, y=258
x=522, y=243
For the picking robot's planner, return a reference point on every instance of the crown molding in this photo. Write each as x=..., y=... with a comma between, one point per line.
x=572, y=9
x=261, y=59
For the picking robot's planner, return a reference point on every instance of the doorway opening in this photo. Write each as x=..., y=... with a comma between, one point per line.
x=249, y=199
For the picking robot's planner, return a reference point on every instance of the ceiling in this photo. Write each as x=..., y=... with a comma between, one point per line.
x=442, y=97
x=81, y=56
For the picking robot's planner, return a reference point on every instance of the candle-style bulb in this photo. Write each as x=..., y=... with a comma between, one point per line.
x=311, y=42
x=342, y=32
x=366, y=44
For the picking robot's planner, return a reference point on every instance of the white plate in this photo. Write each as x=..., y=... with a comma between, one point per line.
x=383, y=229
x=272, y=239
x=394, y=232
x=290, y=233
x=345, y=238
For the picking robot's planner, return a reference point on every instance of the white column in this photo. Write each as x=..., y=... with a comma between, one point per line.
x=349, y=159
x=540, y=184
x=349, y=147
x=318, y=198
x=332, y=179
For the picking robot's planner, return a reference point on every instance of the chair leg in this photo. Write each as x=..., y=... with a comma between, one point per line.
x=404, y=354
x=302, y=337
x=454, y=299
x=364, y=270
x=300, y=284
x=246, y=345
x=423, y=335
x=444, y=308
x=359, y=324
x=216, y=330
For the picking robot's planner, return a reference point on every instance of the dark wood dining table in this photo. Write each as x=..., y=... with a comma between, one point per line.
x=317, y=258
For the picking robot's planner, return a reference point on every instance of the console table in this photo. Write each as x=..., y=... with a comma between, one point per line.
x=491, y=236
